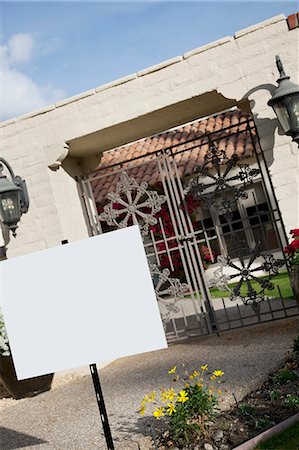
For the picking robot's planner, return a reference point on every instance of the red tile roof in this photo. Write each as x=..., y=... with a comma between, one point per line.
x=293, y=21
x=229, y=128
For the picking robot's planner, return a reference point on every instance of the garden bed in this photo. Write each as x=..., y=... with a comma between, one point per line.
x=275, y=401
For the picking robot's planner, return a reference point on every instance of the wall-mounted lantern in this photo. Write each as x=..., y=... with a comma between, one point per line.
x=14, y=199
x=285, y=103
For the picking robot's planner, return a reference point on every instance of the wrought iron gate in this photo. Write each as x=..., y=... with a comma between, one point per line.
x=213, y=236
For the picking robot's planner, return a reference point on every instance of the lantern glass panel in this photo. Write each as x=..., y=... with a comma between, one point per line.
x=282, y=113
x=10, y=207
x=294, y=111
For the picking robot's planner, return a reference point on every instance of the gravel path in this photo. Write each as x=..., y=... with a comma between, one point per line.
x=66, y=418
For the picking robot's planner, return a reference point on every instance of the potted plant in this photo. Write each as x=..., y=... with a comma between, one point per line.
x=292, y=252
x=18, y=389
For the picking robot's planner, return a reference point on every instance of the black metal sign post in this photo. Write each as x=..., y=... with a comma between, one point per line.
x=100, y=398
x=101, y=405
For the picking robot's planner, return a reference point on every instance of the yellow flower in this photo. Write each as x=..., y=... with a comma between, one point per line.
x=173, y=370
x=142, y=410
x=171, y=409
x=159, y=412
x=146, y=399
x=213, y=377
x=199, y=385
x=219, y=391
x=171, y=394
x=164, y=396
x=205, y=367
x=152, y=396
x=194, y=375
x=210, y=391
x=187, y=385
x=218, y=373
x=183, y=396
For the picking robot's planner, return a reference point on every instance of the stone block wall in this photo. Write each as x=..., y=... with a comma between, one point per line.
x=237, y=67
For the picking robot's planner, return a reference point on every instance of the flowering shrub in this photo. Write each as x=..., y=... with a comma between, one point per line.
x=4, y=348
x=189, y=406
x=292, y=250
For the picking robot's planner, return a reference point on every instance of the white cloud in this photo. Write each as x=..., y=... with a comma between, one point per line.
x=19, y=93
x=20, y=48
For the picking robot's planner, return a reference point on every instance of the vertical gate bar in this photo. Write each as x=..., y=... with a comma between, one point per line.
x=200, y=326
x=176, y=202
x=200, y=274
x=96, y=216
x=270, y=308
x=175, y=328
x=166, y=244
x=154, y=245
x=90, y=211
x=279, y=291
x=282, y=302
x=226, y=314
x=182, y=255
x=184, y=317
x=184, y=232
x=86, y=200
x=79, y=180
x=207, y=241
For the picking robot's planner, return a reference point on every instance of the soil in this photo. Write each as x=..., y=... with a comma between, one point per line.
x=258, y=411
x=276, y=400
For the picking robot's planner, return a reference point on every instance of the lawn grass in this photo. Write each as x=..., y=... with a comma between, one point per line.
x=286, y=440
x=282, y=280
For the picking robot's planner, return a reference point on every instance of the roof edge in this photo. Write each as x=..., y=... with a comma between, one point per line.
x=144, y=72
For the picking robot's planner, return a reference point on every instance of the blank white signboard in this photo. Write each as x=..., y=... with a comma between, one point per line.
x=80, y=303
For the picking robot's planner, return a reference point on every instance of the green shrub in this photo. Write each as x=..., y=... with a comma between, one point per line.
x=284, y=376
x=245, y=409
x=292, y=401
x=263, y=423
x=275, y=394
x=296, y=348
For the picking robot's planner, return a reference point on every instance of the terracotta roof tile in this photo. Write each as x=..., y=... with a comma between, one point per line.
x=240, y=144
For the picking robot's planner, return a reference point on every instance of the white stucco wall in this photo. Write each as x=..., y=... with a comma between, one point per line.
x=233, y=66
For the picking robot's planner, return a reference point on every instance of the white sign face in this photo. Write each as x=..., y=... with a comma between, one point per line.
x=81, y=303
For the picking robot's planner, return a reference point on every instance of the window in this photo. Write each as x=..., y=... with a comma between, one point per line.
x=251, y=222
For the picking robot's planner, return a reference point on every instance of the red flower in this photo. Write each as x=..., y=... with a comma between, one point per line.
x=295, y=244
x=295, y=232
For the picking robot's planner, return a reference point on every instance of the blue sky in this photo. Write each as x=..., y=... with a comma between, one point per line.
x=52, y=50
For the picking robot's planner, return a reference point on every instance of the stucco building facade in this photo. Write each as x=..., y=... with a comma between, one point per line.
x=50, y=147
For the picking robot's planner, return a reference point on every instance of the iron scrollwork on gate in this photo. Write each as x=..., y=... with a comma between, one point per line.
x=221, y=182
x=168, y=291
x=217, y=169
x=250, y=288
x=132, y=203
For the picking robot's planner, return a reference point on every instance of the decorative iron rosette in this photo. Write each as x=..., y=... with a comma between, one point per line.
x=132, y=204
x=168, y=291
x=245, y=269
x=217, y=171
